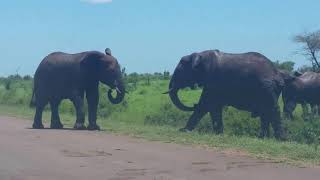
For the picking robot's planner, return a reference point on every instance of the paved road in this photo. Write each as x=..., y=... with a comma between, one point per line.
x=27, y=154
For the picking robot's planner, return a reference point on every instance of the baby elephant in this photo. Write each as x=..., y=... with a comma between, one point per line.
x=304, y=89
x=71, y=76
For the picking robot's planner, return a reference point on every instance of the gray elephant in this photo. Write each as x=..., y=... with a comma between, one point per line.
x=247, y=81
x=303, y=89
x=71, y=76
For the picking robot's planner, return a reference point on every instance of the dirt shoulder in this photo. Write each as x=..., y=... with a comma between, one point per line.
x=67, y=154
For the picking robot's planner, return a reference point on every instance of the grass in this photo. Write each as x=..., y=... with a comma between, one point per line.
x=287, y=152
x=148, y=114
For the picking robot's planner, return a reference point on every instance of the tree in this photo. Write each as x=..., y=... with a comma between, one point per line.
x=133, y=78
x=15, y=77
x=286, y=65
x=166, y=75
x=310, y=47
x=124, y=72
x=27, y=77
x=148, y=79
x=8, y=84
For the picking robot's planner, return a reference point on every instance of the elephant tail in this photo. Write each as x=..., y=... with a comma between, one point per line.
x=33, y=100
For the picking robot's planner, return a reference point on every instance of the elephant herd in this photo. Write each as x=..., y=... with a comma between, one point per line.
x=247, y=81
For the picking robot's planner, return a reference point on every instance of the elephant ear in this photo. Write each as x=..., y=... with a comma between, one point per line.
x=287, y=77
x=202, y=62
x=196, y=62
x=91, y=62
x=108, y=51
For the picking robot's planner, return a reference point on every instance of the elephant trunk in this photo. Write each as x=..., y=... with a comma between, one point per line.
x=173, y=93
x=120, y=89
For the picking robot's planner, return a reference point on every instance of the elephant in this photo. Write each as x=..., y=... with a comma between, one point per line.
x=303, y=89
x=71, y=76
x=247, y=81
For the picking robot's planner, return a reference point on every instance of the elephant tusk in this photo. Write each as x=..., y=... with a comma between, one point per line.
x=118, y=90
x=168, y=91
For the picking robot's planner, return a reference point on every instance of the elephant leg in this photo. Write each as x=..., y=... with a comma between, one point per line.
x=37, y=123
x=264, y=129
x=55, y=118
x=288, y=110
x=276, y=123
x=194, y=119
x=216, y=118
x=200, y=110
x=78, y=103
x=270, y=113
x=93, y=100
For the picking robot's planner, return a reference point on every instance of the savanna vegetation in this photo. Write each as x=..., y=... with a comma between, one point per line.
x=147, y=113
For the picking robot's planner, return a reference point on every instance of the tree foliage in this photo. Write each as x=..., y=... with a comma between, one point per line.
x=310, y=47
x=286, y=65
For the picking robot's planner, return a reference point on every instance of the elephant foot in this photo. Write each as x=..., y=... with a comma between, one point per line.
x=56, y=125
x=37, y=126
x=79, y=126
x=185, y=130
x=93, y=127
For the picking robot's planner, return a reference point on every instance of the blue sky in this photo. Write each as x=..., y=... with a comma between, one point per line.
x=150, y=35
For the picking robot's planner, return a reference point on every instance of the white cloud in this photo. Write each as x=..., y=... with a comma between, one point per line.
x=97, y=1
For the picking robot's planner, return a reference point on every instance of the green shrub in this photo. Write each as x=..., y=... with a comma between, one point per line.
x=240, y=122
x=236, y=122
x=305, y=132
x=168, y=115
x=67, y=106
x=142, y=92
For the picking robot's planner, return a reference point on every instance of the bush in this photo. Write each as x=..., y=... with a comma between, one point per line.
x=236, y=122
x=142, y=92
x=67, y=106
x=168, y=115
x=304, y=131
x=240, y=122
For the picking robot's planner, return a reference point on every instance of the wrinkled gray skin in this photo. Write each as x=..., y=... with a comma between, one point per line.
x=71, y=76
x=303, y=89
x=246, y=81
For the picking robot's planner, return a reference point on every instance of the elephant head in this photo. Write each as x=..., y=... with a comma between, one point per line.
x=289, y=93
x=104, y=68
x=191, y=70
x=289, y=104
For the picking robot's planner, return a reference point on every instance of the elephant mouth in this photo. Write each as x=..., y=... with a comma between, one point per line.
x=173, y=93
x=120, y=90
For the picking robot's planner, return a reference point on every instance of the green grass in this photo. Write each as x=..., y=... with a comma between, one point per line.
x=147, y=113
x=287, y=152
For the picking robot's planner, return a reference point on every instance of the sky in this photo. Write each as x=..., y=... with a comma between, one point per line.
x=150, y=35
